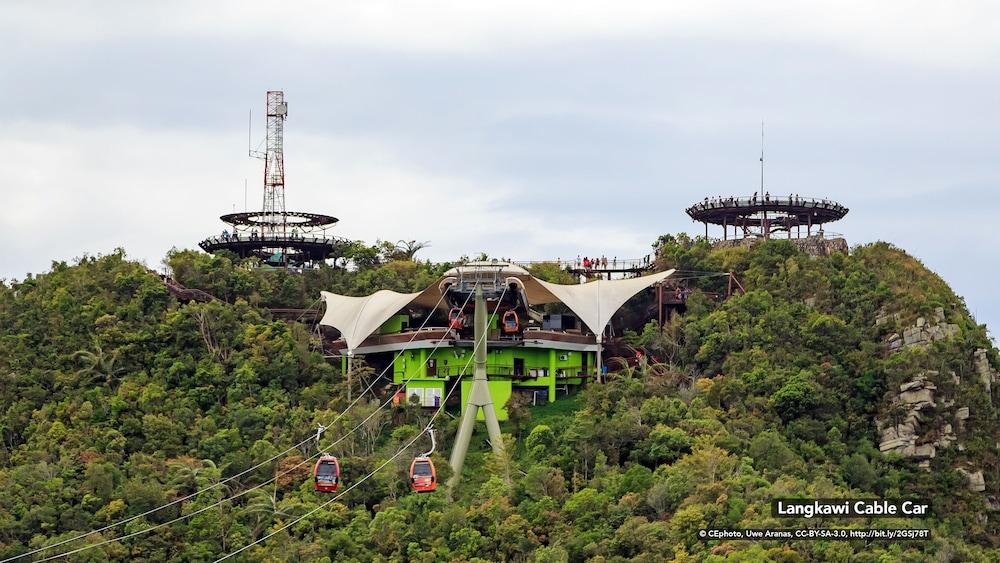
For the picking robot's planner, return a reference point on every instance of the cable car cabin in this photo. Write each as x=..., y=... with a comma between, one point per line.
x=456, y=319
x=423, y=478
x=511, y=322
x=326, y=474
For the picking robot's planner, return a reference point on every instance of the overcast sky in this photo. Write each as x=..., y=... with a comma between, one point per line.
x=523, y=129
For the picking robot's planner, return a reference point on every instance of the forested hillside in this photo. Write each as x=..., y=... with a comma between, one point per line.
x=116, y=399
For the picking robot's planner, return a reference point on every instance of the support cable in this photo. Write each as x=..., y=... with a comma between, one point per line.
x=217, y=503
x=377, y=469
x=248, y=490
x=238, y=475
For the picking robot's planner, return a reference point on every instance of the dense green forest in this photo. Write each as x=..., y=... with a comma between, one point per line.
x=115, y=399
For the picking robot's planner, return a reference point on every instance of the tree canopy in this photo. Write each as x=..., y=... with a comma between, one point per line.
x=116, y=399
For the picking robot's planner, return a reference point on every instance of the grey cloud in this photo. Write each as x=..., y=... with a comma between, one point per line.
x=621, y=132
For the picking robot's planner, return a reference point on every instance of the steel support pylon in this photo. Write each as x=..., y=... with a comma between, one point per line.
x=479, y=398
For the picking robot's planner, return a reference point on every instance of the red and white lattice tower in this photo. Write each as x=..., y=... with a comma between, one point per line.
x=275, y=236
x=274, y=162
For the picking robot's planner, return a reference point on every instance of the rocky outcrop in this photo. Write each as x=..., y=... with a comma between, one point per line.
x=986, y=373
x=815, y=245
x=906, y=433
x=821, y=246
x=920, y=419
x=884, y=318
x=920, y=334
x=900, y=435
x=977, y=483
x=961, y=415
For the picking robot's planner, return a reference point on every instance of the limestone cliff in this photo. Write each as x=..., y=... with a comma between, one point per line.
x=924, y=414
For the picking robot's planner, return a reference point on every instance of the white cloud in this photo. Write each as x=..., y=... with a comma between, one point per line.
x=961, y=34
x=91, y=190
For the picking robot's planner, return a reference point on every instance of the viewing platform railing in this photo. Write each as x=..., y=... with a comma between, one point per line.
x=615, y=264
x=504, y=371
x=275, y=238
x=765, y=201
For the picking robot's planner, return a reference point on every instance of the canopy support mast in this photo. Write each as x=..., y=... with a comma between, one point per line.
x=479, y=397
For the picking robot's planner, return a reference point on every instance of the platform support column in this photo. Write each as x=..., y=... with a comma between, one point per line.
x=600, y=360
x=552, y=375
x=659, y=303
x=350, y=369
x=479, y=398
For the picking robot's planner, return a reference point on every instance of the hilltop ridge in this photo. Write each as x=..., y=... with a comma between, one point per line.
x=850, y=375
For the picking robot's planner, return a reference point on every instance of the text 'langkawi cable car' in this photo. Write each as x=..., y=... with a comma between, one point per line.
x=456, y=319
x=511, y=322
x=423, y=477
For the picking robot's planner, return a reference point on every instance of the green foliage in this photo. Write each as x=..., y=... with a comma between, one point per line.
x=115, y=398
x=663, y=445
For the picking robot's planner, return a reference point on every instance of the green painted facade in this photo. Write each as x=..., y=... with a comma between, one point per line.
x=510, y=367
x=395, y=324
x=500, y=390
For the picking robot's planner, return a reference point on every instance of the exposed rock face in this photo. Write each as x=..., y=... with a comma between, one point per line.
x=986, y=373
x=820, y=246
x=913, y=425
x=816, y=245
x=901, y=436
x=921, y=334
x=916, y=399
x=977, y=483
x=885, y=318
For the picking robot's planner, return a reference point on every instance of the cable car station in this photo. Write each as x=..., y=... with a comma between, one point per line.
x=528, y=351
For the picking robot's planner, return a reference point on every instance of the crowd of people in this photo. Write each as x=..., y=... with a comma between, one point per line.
x=793, y=199
x=235, y=235
x=603, y=263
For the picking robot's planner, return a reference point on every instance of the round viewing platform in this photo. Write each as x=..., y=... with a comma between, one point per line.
x=763, y=215
x=286, y=239
x=298, y=248
x=291, y=219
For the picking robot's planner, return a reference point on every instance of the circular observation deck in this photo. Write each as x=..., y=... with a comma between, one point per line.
x=761, y=216
x=290, y=238
x=292, y=219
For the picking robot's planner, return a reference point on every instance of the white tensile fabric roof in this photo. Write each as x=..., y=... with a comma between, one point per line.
x=358, y=317
x=594, y=303
x=597, y=301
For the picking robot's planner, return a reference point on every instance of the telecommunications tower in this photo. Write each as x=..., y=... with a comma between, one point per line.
x=275, y=236
x=274, y=159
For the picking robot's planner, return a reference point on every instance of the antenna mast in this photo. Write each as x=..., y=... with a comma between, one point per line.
x=762, y=159
x=274, y=162
x=272, y=234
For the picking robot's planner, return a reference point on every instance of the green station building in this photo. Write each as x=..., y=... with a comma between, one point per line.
x=542, y=356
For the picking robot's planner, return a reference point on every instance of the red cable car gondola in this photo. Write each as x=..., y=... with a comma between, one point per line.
x=511, y=322
x=423, y=478
x=326, y=474
x=456, y=319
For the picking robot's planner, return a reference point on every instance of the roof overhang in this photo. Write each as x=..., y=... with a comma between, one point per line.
x=594, y=302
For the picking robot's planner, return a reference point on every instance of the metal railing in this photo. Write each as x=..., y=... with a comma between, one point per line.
x=776, y=235
x=506, y=371
x=613, y=263
x=275, y=238
x=791, y=201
